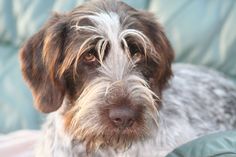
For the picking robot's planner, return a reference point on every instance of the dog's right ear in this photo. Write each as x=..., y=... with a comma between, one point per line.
x=40, y=57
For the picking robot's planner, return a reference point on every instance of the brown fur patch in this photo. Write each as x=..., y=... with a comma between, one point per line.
x=40, y=57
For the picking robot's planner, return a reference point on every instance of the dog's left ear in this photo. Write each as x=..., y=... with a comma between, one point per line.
x=163, y=51
x=40, y=57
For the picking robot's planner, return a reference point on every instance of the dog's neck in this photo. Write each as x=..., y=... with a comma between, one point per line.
x=56, y=142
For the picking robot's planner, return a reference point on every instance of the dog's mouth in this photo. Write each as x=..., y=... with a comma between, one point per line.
x=115, y=127
x=107, y=135
x=112, y=137
x=122, y=140
x=122, y=133
x=117, y=139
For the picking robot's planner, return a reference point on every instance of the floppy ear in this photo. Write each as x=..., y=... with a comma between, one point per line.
x=163, y=51
x=40, y=57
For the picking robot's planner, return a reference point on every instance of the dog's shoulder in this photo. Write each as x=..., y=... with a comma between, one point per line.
x=203, y=95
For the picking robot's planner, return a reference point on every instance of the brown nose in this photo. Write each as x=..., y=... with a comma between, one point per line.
x=122, y=116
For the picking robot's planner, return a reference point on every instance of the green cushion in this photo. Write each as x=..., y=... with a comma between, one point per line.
x=222, y=144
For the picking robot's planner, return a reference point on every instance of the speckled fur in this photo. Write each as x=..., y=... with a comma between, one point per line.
x=103, y=55
x=198, y=101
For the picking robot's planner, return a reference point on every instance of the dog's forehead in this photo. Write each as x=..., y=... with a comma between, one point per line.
x=110, y=17
x=108, y=23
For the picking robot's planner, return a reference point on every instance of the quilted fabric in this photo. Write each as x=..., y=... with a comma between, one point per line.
x=221, y=144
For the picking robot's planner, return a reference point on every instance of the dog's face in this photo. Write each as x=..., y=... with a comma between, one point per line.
x=109, y=63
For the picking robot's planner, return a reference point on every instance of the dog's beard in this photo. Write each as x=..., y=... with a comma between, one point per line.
x=88, y=121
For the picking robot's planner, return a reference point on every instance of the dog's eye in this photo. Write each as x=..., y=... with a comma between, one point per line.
x=89, y=57
x=136, y=52
x=137, y=56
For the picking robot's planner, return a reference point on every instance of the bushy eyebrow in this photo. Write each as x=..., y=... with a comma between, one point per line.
x=138, y=38
x=98, y=39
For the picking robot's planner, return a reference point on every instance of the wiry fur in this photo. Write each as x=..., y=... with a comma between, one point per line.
x=170, y=112
x=185, y=115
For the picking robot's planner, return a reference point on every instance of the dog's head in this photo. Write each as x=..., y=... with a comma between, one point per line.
x=109, y=62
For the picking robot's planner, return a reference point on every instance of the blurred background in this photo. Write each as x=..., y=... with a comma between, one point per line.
x=202, y=32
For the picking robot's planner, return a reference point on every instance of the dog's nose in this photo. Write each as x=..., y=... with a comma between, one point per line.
x=122, y=116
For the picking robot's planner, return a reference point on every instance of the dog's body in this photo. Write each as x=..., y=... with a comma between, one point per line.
x=105, y=69
x=185, y=115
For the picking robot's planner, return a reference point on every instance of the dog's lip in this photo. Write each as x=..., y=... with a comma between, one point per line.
x=124, y=132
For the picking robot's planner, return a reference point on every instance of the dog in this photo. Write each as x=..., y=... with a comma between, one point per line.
x=104, y=74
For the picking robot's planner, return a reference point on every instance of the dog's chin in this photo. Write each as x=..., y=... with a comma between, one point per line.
x=113, y=138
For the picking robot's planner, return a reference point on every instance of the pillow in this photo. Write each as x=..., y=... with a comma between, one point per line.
x=222, y=144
